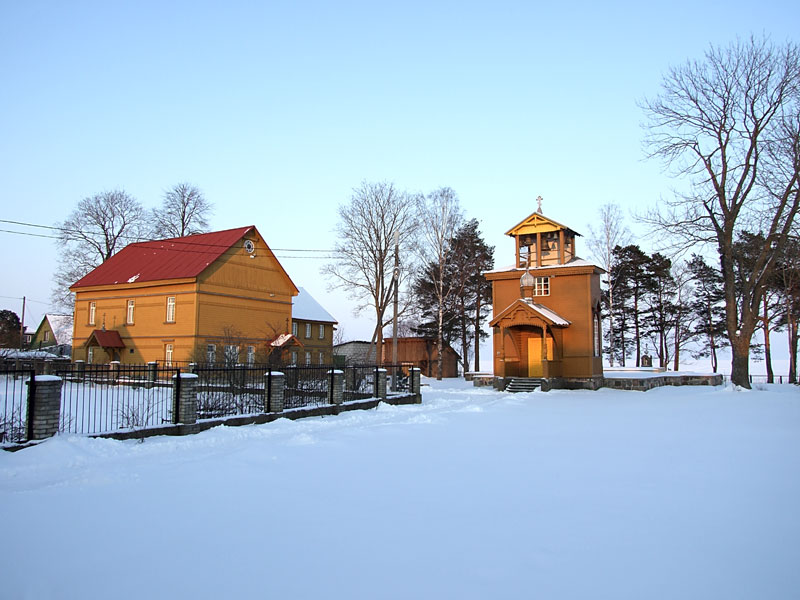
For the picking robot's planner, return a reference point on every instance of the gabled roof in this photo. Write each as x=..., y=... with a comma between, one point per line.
x=537, y=222
x=175, y=258
x=105, y=339
x=532, y=309
x=61, y=325
x=285, y=340
x=305, y=308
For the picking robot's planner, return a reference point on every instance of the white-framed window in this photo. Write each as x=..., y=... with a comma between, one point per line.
x=251, y=355
x=168, y=354
x=596, y=334
x=294, y=358
x=231, y=354
x=308, y=358
x=321, y=331
x=541, y=286
x=92, y=312
x=308, y=330
x=90, y=355
x=294, y=329
x=47, y=335
x=211, y=353
x=170, y=309
x=129, y=314
x=322, y=358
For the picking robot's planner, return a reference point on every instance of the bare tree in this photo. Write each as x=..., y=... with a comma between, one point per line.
x=365, y=251
x=184, y=211
x=100, y=226
x=440, y=217
x=730, y=127
x=609, y=233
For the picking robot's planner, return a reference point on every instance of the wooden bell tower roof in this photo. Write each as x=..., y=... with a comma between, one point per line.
x=538, y=223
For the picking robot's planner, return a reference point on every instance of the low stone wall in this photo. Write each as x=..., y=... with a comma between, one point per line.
x=572, y=383
x=642, y=384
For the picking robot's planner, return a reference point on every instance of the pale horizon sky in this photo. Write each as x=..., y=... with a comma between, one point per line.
x=278, y=111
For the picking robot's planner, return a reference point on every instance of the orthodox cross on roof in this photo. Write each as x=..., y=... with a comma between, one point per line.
x=539, y=202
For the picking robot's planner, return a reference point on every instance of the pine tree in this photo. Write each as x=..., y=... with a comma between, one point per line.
x=708, y=309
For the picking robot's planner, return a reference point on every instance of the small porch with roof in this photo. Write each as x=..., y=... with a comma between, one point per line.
x=531, y=340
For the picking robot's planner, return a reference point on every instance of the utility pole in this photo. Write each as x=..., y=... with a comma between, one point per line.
x=396, y=277
x=22, y=327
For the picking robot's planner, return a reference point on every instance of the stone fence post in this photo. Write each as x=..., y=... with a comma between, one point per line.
x=80, y=370
x=273, y=391
x=184, y=398
x=414, y=375
x=113, y=368
x=44, y=406
x=152, y=374
x=336, y=391
x=380, y=384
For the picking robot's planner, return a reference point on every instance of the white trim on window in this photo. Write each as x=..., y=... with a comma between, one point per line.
x=541, y=286
x=308, y=330
x=92, y=312
x=168, y=349
x=129, y=313
x=170, y=309
x=321, y=331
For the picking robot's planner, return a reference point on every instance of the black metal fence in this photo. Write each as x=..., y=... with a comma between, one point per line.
x=306, y=386
x=15, y=388
x=104, y=398
x=227, y=391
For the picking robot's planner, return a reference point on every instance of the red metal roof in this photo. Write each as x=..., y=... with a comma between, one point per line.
x=175, y=258
x=106, y=339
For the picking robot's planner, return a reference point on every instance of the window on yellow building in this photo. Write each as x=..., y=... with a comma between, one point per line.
x=251, y=355
x=168, y=354
x=92, y=312
x=294, y=358
x=231, y=354
x=90, y=353
x=294, y=329
x=46, y=336
x=211, y=353
x=308, y=330
x=321, y=358
x=321, y=331
x=129, y=315
x=541, y=286
x=170, y=309
x=308, y=358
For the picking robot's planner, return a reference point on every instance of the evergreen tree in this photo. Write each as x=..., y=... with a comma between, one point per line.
x=708, y=310
x=632, y=277
x=789, y=291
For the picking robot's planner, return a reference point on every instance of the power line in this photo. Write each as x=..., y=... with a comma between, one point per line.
x=140, y=242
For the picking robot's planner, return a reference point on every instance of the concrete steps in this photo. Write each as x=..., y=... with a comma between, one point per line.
x=527, y=384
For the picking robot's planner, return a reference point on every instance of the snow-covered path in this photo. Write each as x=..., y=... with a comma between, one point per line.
x=672, y=493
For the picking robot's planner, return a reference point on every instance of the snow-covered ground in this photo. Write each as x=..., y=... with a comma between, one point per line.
x=672, y=493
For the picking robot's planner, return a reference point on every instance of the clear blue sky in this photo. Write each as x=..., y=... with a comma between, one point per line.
x=276, y=111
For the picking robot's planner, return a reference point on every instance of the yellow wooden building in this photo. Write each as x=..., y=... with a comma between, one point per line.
x=213, y=297
x=546, y=319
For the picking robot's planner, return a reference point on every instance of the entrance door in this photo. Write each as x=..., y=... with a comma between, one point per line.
x=535, y=357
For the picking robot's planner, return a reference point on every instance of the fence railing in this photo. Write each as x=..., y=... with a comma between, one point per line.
x=104, y=398
x=764, y=379
x=14, y=403
x=97, y=399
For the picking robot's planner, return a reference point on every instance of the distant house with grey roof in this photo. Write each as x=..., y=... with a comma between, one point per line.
x=313, y=326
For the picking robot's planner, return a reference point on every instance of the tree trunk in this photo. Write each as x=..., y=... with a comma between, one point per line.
x=767, y=350
x=478, y=334
x=440, y=342
x=611, y=336
x=636, y=331
x=792, y=349
x=740, y=361
x=713, y=353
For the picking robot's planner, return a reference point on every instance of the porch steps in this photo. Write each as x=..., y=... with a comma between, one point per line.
x=528, y=384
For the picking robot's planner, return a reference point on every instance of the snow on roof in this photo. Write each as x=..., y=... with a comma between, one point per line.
x=62, y=328
x=551, y=315
x=305, y=308
x=575, y=262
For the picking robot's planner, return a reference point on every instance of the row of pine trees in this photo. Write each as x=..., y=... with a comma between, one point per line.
x=664, y=308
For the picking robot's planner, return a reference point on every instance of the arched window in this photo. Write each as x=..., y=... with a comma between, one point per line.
x=597, y=333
